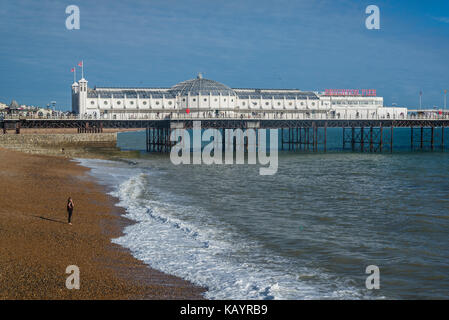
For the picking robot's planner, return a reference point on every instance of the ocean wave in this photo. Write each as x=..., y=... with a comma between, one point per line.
x=206, y=254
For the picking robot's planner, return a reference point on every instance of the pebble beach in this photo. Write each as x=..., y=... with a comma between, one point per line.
x=37, y=243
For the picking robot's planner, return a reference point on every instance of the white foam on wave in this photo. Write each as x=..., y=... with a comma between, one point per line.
x=202, y=253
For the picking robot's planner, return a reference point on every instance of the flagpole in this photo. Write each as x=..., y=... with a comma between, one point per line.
x=82, y=69
x=445, y=93
x=420, y=100
x=74, y=74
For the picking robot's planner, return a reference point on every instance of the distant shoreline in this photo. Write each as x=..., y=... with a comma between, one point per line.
x=38, y=244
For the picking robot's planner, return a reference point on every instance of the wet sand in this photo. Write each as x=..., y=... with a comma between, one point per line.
x=37, y=244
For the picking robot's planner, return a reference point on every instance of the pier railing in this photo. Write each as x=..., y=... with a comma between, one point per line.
x=425, y=115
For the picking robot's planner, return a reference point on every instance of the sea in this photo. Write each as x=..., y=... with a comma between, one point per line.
x=307, y=232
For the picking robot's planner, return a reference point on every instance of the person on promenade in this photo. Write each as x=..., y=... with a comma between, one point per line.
x=70, y=206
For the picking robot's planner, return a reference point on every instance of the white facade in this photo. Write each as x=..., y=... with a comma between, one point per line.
x=207, y=98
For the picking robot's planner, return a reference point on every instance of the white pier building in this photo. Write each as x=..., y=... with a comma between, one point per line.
x=204, y=98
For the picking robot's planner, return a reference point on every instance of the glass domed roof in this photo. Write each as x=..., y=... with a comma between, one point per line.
x=201, y=86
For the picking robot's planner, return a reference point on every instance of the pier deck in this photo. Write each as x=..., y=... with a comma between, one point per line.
x=369, y=135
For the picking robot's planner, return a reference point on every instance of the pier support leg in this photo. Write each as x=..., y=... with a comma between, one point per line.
x=391, y=140
x=17, y=127
x=146, y=139
x=344, y=136
x=166, y=139
x=422, y=138
x=371, y=139
x=223, y=141
x=160, y=139
x=169, y=143
x=442, y=138
x=353, y=138
x=325, y=136
x=305, y=139
x=432, y=139
x=153, y=139
x=308, y=138
x=163, y=142
x=289, y=139
x=313, y=136
x=411, y=138
x=282, y=139
x=362, y=141
x=381, y=138
x=246, y=142
x=297, y=137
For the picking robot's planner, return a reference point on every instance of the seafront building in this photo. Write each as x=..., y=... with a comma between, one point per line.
x=26, y=111
x=204, y=98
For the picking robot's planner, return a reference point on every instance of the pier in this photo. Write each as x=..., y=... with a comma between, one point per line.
x=363, y=135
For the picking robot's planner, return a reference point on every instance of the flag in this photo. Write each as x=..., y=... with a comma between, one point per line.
x=72, y=70
x=80, y=64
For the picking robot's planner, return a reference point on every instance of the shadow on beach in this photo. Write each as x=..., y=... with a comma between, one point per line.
x=48, y=219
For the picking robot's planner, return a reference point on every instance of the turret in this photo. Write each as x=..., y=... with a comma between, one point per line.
x=75, y=93
x=75, y=87
x=82, y=96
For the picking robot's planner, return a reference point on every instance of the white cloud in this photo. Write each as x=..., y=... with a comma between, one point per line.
x=442, y=19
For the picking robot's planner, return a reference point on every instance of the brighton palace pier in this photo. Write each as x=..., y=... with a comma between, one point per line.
x=302, y=116
x=203, y=98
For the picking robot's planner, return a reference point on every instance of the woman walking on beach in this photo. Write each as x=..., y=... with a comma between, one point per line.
x=70, y=206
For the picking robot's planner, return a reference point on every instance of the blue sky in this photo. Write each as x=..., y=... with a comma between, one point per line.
x=309, y=45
